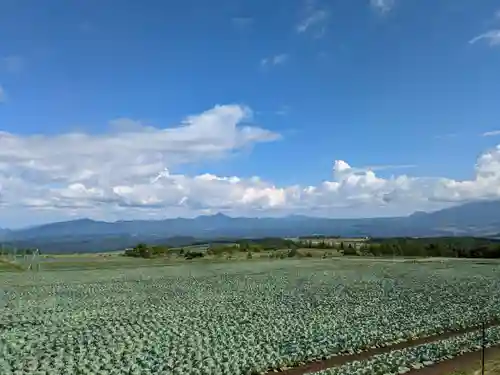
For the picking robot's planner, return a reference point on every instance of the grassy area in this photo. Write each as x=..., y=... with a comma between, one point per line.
x=4, y=266
x=116, y=260
x=7, y=265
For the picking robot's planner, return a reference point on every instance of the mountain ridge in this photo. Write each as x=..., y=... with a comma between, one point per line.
x=481, y=219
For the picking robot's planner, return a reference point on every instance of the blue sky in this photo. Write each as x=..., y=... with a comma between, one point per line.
x=404, y=87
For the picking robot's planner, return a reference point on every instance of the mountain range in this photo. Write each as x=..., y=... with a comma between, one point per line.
x=479, y=219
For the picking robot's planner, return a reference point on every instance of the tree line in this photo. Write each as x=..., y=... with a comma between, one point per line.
x=453, y=247
x=456, y=247
x=10, y=251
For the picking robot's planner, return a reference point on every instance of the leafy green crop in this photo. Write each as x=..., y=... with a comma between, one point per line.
x=233, y=319
x=402, y=361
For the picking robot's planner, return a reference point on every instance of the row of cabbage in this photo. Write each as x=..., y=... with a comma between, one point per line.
x=231, y=321
x=412, y=358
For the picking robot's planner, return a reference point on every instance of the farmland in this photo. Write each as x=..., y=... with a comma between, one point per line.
x=243, y=317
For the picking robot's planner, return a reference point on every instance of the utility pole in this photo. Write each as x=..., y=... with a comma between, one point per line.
x=483, y=344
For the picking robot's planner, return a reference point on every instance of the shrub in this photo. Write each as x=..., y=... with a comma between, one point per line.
x=350, y=251
x=194, y=254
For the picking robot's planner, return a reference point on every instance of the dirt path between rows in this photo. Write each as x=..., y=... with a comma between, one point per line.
x=467, y=362
x=343, y=359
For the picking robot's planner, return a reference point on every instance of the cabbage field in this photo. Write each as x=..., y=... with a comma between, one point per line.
x=242, y=317
x=416, y=357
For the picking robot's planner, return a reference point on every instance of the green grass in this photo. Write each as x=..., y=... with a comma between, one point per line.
x=7, y=265
x=116, y=260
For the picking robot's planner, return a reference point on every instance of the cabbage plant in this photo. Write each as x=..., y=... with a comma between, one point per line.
x=238, y=318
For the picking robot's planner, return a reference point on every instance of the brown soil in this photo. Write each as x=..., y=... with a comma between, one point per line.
x=343, y=359
x=466, y=362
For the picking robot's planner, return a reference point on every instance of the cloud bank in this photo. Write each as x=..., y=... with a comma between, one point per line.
x=128, y=172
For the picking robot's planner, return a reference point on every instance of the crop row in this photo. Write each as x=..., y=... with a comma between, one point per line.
x=230, y=322
x=405, y=360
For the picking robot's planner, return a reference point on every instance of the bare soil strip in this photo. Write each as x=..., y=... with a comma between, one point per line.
x=343, y=359
x=468, y=362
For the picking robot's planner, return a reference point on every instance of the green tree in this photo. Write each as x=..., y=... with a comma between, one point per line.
x=350, y=251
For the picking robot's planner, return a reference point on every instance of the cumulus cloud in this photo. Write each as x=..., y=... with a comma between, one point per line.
x=56, y=170
x=128, y=172
x=382, y=6
x=492, y=37
x=274, y=60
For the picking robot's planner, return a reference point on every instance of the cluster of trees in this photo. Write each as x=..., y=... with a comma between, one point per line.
x=143, y=250
x=341, y=246
x=220, y=248
x=266, y=244
x=457, y=247
x=7, y=252
x=252, y=246
x=460, y=247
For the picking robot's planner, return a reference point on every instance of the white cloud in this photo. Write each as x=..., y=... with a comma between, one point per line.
x=129, y=173
x=274, y=60
x=491, y=133
x=3, y=95
x=313, y=19
x=78, y=170
x=12, y=64
x=492, y=37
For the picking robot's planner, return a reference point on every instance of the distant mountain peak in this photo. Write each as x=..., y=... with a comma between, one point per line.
x=419, y=214
x=218, y=219
x=84, y=234
x=220, y=215
x=84, y=220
